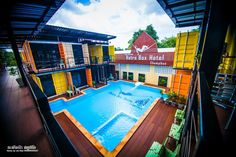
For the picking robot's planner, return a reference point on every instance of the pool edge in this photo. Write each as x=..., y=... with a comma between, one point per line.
x=133, y=129
x=97, y=144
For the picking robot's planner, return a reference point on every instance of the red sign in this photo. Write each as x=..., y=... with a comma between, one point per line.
x=144, y=51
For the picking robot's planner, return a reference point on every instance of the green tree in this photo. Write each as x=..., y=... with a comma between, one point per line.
x=195, y=29
x=1, y=56
x=2, y=61
x=135, y=36
x=10, y=58
x=149, y=30
x=167, y=42
x=152, y=32
x=118, y=49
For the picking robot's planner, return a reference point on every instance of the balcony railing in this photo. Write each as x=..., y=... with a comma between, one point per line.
x=102, y=59
x=61, y=144
x=57, y=65
x=201, y=133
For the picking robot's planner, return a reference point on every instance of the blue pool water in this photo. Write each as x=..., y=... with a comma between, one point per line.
x=110, y=112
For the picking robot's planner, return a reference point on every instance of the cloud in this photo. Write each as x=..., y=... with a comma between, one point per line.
x=120, y=18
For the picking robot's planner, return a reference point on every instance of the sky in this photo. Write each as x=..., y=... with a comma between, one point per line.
x=115, y=17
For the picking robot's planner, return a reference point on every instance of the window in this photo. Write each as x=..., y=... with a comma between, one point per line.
x=141, y=77
x=78, y=54
x=79, y=78
x=162, y=81
x=125, y=75
x=131, y=76
x=45, y=55
x=48, y=85
x=105, y=53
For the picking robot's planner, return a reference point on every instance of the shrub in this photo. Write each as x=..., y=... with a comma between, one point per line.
x=141, y=78
x=131, y=76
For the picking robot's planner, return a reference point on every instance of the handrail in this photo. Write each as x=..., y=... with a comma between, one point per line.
x=101, y=59
x=207, y=111
x=52, y=64
x=62, y=146
x=201, y=133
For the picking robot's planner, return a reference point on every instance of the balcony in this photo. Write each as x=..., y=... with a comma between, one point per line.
x=56, y=66
x=28, y=121
x=95, y=60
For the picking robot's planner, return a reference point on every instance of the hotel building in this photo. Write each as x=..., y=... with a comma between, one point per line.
x=70, y=58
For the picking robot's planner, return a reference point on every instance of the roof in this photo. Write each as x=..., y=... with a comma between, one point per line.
x=28, y=21
x=24, y=18
x=184, y=12
x=122, y=52
x=56, y=33
x=172, y=49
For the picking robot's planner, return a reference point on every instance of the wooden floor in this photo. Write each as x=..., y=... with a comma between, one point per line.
x=19, y=119
x=155, y=127
x=81, y=143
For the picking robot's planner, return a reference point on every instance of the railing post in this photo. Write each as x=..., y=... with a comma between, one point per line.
x=211, y=142
x=16, y=52
x=214, y=40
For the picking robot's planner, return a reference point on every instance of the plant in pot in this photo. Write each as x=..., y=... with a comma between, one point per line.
x=94, y=84
x=104, y=80
x=161, y=92
x=172, y=98
x=181, y=102
x=13, y=71
x=130, y=77
x=141, y=78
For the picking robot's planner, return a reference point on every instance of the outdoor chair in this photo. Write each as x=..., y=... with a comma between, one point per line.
x=111, y=77
x=155, y=150
x=169, y=153
x=77, y=90
x=179, y=115
x=176, y=130
x=70, y=92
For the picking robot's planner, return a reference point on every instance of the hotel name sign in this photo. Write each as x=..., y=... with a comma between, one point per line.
x=160, y=58
x=144, y=51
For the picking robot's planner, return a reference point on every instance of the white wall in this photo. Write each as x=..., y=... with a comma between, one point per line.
x=151, y=72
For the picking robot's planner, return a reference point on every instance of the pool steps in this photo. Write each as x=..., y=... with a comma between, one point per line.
x=111, y=119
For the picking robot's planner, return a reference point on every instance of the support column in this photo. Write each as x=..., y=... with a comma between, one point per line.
x=16, y=53
x=213, y=42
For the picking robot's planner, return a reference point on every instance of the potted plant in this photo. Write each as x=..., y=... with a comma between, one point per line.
x=94, y=84
x=111, y=77
x=141, y=78
x=181, y=102
x=104, y=80
x=162, y=92
x=169, y=98
x=14, y=71
x=172, y=98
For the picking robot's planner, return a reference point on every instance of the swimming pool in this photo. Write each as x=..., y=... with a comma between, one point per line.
x=110, y=112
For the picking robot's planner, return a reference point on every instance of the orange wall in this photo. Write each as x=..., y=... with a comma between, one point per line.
x=184, y=72
x=181, y=82
x=89, y=77
x=69, y=79
x=28, y=55
x=62, y=52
